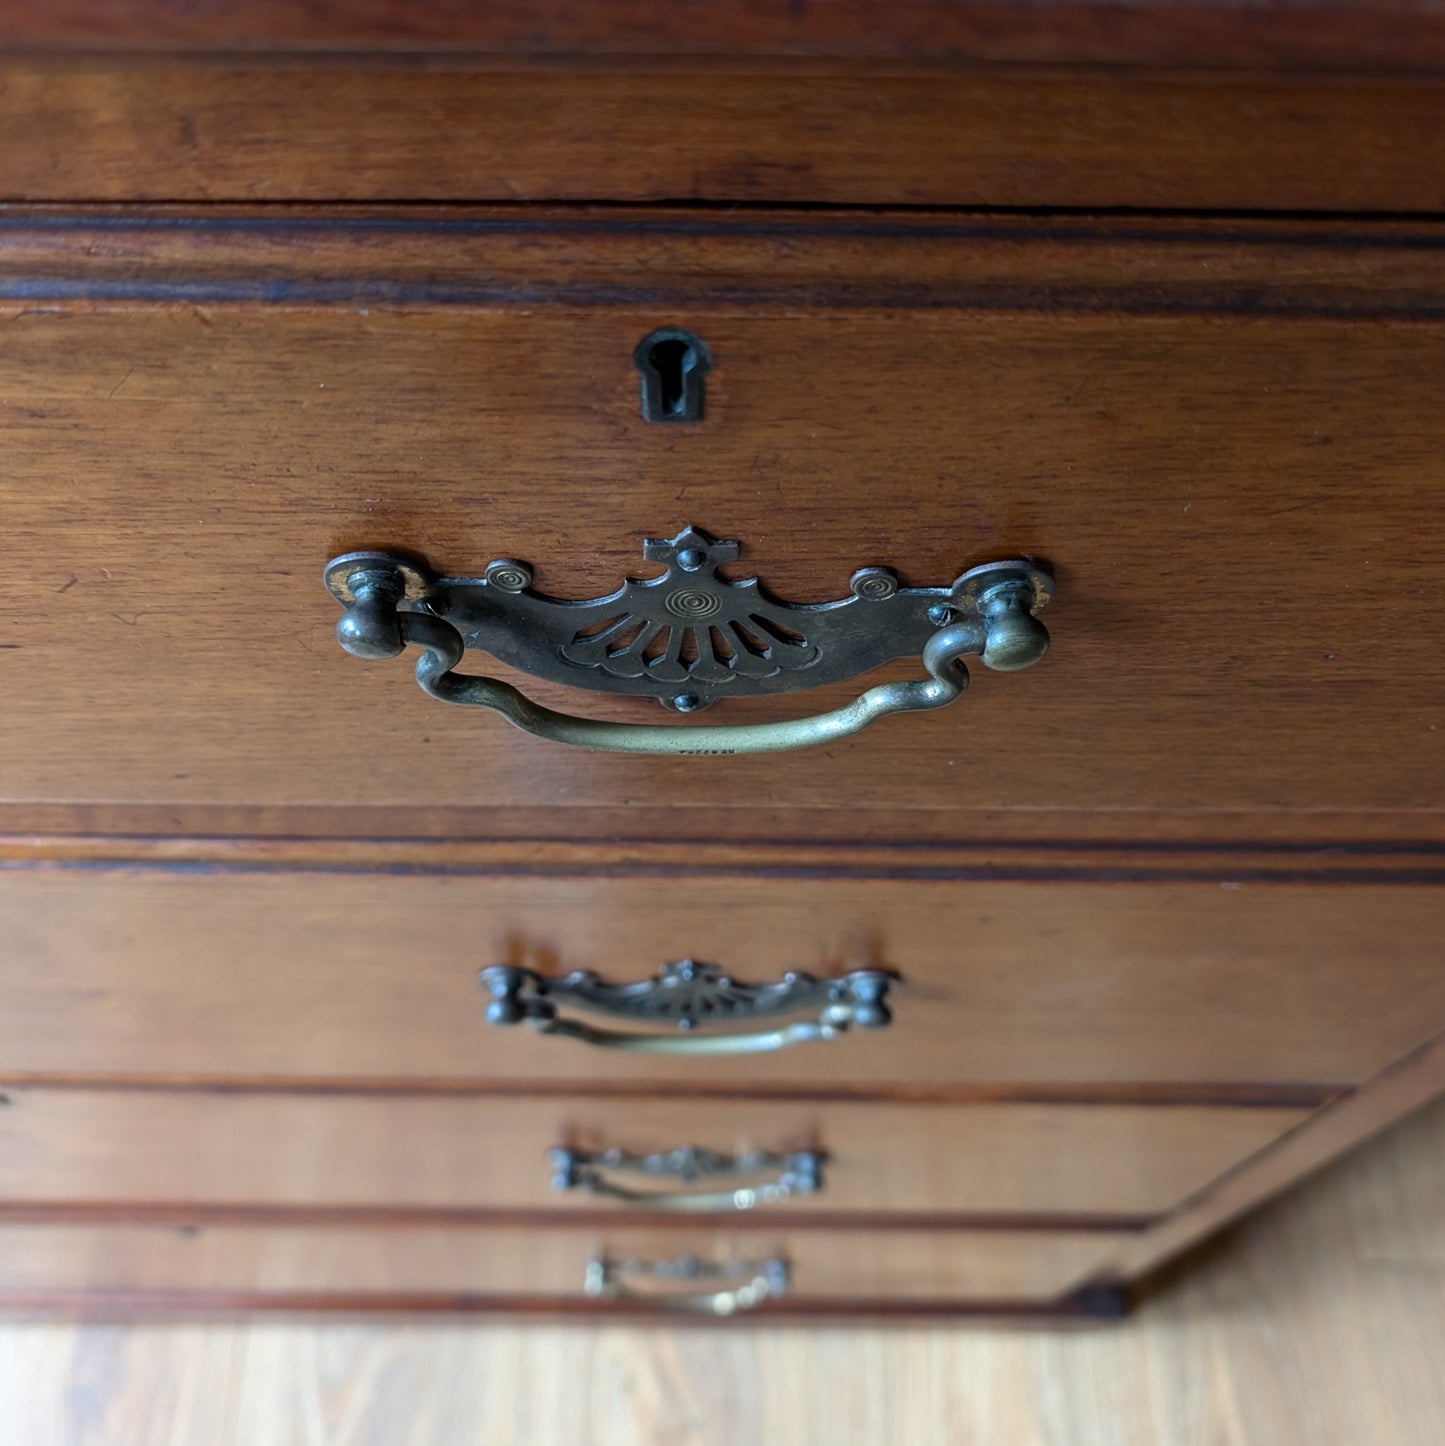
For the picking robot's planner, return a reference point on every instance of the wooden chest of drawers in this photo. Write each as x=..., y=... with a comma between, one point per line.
x=323, y=993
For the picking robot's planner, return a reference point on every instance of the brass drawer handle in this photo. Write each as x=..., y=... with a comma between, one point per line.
x=799, y=1172
x=689, y=638
x=691, y=997
x=757, y=1281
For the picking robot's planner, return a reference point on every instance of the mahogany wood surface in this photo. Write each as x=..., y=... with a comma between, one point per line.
x=254, y=976
x=1345, y=33
x=1166, y=909
x=788, y=132
x=488, y=1154
x=535, y=1262
x=201, y=413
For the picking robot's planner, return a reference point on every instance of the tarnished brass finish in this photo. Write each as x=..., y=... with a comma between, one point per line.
x=691, y=997
x=757, y=1281
x=689, y=638
x=799, y=1172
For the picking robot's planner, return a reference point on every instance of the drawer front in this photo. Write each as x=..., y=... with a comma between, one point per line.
x=929, y=133
x=1224, y=491
x=80, y=1146
x=160, y=975
x=416, y=1267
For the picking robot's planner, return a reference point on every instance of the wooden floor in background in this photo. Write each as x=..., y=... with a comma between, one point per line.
x=1320, y=1323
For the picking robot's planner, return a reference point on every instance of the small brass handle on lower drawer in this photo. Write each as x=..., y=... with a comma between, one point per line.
x=757, y=1281
x=691, y=997
x=799, y=1172
x=690, y=638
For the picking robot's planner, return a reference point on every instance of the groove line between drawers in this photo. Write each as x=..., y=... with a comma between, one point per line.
x=1150, y=1094
x=922, y=860
x=183, y=1216
x=1428, y=876
x=1082, y=1306
x=484, y=849
x=1417, y=308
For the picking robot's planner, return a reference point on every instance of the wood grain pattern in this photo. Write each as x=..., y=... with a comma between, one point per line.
x=417, y=1154
x=1320, y=1323
x=1281, y=32
x=1223, y=434
x=238, y=129
x=191, y=428
x=335, y=977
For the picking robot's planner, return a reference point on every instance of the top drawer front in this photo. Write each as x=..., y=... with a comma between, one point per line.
x=800, y=131
x=1230, y=456
x=1360, y=34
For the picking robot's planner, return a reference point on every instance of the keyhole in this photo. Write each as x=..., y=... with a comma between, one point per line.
x=673, y=360
x=673, y=364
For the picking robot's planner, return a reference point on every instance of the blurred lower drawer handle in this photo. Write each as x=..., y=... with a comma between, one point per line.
x=694, y=999
x=741, y=1284
x=798, y=1172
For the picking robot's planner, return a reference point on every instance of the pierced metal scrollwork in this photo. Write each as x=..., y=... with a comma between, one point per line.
x=798, y=1172
x=690, y=997
x=692, y=628
x=689, y=637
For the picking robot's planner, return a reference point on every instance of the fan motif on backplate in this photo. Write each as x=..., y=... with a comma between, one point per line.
x=689, y=994
x=690, y=625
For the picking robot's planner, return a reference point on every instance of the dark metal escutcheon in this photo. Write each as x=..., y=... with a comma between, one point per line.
x=688, y=638
x=673, y=364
